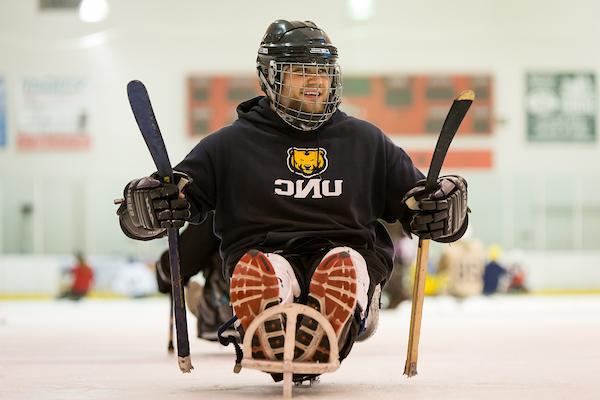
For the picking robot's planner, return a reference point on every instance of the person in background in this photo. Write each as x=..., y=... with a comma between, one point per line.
x=398, y=287
x=463, y=264
x=517, y=272
x=135, y=279
x=82, y=279
x=493, y=272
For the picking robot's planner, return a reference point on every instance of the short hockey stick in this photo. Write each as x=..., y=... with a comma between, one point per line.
x=457, y=112
x=144, y=116
x=170, y=347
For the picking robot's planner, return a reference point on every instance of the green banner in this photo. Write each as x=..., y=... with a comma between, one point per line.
x=561, y=107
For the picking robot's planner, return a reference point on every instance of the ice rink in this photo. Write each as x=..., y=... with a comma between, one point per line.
x=525, y=347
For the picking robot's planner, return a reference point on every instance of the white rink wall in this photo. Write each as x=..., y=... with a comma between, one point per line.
x=31, y=275
x=562, y=270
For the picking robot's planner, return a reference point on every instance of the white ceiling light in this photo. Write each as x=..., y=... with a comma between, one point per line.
x=93, y=10
x=360, y=10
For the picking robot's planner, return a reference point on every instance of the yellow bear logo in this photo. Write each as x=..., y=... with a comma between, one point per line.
x=307, y=161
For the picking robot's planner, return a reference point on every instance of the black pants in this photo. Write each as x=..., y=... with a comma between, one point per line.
x=304, y=265
x=198, y=252
x=305, y=258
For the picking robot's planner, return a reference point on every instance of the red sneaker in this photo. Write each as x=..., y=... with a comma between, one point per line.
x=332, y=292
x=254, y=288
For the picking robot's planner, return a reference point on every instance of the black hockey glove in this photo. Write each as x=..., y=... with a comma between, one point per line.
x=441, y=215
x=151, y=206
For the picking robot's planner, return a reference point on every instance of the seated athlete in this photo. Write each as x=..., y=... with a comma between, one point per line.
x=297, y=187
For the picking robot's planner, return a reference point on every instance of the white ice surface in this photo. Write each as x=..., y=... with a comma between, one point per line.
x=483, y=348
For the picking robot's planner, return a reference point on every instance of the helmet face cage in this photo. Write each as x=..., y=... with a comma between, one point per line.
x=305, y=95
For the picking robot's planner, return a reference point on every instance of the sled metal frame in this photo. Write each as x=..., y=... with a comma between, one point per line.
x=288, y=366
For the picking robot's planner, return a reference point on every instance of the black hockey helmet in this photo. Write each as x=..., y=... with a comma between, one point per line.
x=304, y=47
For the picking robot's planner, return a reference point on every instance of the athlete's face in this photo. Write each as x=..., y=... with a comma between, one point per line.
x=305, y=88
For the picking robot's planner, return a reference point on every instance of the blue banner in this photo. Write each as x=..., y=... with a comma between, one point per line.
x=2, y=113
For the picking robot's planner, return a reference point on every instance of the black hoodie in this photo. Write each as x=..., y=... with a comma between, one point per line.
x=270, y=183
